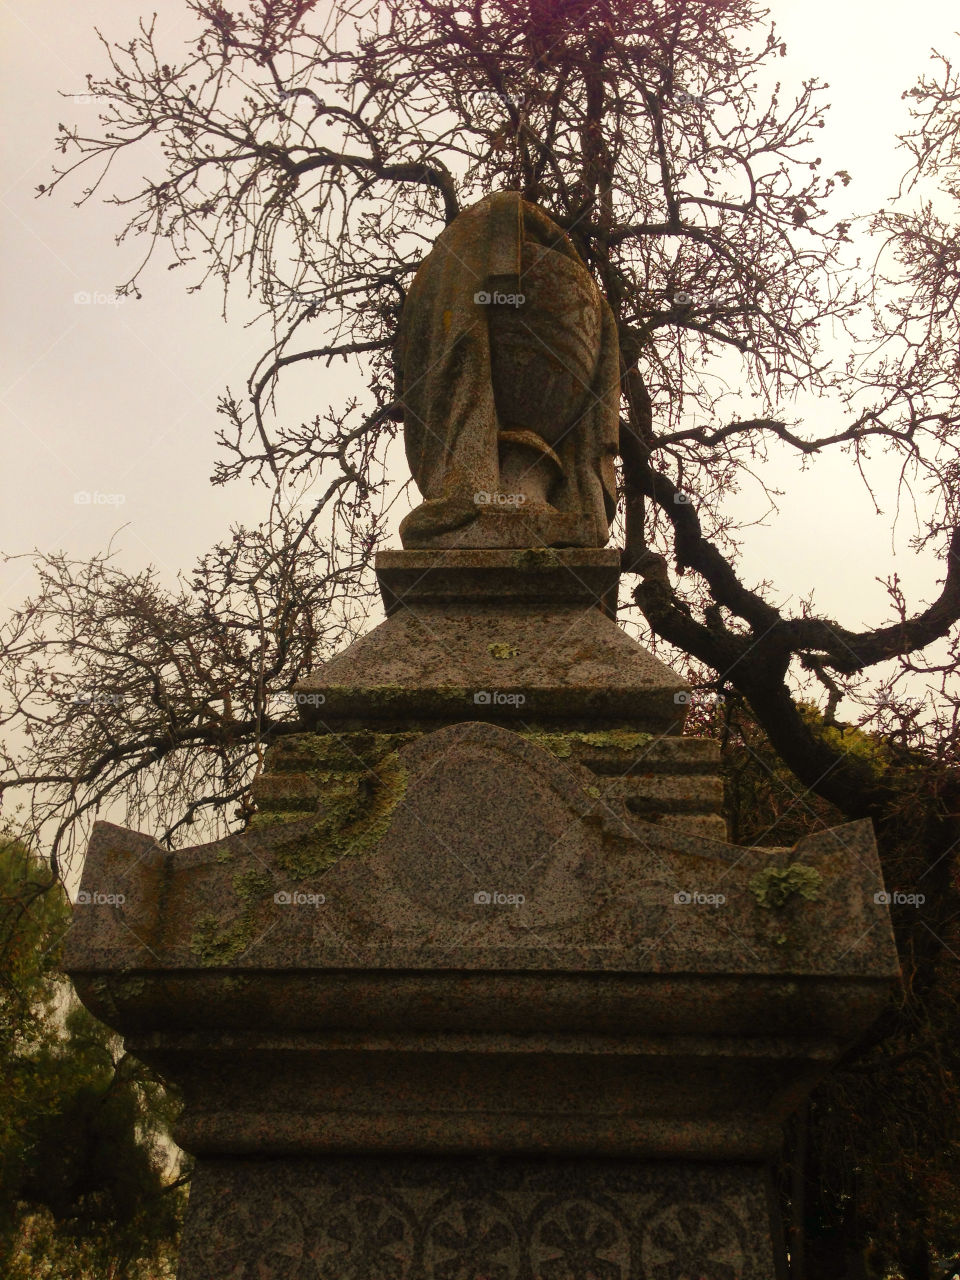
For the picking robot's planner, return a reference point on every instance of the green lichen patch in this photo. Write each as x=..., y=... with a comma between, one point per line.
x=537, y=558
x=214, y=945
x=216, y=942
x=320, y=754
x=615, y=739
x=562, y=744
x=353, y=816
x=128, y=987
x=283, y=818
x=252, y=886
x=773, y=886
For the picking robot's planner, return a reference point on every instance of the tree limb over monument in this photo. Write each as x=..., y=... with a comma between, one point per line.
x=318, y=165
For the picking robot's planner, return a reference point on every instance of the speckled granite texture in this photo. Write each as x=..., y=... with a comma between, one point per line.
x=496, y=1219
x=482, y=992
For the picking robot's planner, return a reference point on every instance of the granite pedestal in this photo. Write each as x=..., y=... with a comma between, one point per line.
x=482, y=991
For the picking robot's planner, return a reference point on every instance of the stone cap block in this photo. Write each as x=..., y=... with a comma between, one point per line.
x=534, y=575
x=479, y=851
x=501, y=635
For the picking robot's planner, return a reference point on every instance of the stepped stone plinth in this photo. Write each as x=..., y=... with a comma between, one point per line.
x=482, y=991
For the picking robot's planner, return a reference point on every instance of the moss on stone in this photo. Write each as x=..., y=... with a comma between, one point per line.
x=352, y=817
x=561, y=744
x=773, y=886
x=275, y=818
x=215, y=943
x=615, y=739
x=320, y=755
x=129, y=988
x=537, y=558
x=557, y=744
x=253, y=885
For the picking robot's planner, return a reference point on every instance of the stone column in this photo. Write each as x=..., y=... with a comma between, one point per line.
x=482, y=993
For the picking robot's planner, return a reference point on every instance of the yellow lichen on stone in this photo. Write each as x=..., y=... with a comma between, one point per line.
x=222, y=943
x=562, y=744
x=619, y=739
x=350, y=819
x=502, y=650
x=773, y=886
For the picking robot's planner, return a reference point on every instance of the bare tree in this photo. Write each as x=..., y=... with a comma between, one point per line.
x=311, y=154
x=314, y=154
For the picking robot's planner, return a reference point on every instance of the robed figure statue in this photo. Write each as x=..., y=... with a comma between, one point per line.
x=509, y=379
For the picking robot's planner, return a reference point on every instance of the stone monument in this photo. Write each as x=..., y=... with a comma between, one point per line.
x=481, y=992
x=509, y=376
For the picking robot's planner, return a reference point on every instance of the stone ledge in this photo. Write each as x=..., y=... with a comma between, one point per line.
x=534, y=575
x=402, y=887
x=532, y=526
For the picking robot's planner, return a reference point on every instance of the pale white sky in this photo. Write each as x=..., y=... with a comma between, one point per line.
x=120, y=399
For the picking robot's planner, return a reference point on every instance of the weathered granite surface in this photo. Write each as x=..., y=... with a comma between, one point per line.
x=662, y=779
x=475, y=808
x=422, y=970
x=506, y=1219
x=513, y=636
x=509, y=380
x=474, y=994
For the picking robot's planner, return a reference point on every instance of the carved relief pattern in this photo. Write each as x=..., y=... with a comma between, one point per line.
x=431, y=1232
x=470, y=1240
x=695, y=1240
x=580, y=1240
x=362, y=1239
x=233, y=1238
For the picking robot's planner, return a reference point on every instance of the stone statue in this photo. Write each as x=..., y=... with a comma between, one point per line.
x=509, y=378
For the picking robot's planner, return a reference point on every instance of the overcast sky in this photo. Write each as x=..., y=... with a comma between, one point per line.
x=119, y=400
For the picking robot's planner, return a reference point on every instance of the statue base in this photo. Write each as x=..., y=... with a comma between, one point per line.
x=521, y=636
x=506, y=523
x=478, y=994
